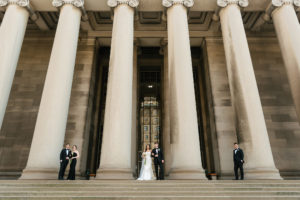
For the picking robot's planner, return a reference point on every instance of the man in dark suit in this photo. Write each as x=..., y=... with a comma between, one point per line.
x=65, y=155
x=158, y=161
x=238, y=159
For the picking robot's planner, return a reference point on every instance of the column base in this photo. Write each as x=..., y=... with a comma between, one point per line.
x=262, y=173
x=187, y=174
x=106, y=174
x=39, y=173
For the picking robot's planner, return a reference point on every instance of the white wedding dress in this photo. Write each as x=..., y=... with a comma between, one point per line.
x=146, y=172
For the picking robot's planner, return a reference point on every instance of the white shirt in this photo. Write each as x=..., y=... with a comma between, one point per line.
x=67, y=152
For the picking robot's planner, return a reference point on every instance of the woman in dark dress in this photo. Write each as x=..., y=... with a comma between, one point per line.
x=75, y=155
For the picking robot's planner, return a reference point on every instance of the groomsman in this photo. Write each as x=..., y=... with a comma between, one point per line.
x=65, y=155
x=238, y=159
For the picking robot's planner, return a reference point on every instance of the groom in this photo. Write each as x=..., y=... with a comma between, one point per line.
x=158, y=161
x=65, y=156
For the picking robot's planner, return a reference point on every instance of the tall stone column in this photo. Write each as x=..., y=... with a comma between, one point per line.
x=115, y=160
x=12, y=32
x=288, y=33
x=49, y=133
x=186, y=157
x=251, y=127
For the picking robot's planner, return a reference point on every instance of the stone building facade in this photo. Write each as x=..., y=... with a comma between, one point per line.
x=209, y=72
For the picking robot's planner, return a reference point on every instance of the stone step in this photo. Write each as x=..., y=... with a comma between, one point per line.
x=156, y=198
x=122, y=189
x=149, y=194
x=182, y=183
x=151, y=188
x=69, y=185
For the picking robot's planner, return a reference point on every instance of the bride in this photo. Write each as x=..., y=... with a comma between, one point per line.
x=146, y=172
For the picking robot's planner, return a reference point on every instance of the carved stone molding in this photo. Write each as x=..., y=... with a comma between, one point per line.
x=279, y=3
x=186, y=3
x=224, y=3
x=22, y=3
x=76, y=3
x=115, y=3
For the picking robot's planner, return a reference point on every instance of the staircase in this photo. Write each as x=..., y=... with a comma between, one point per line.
x=146, y=190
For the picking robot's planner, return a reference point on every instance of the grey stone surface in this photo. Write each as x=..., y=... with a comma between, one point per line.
x=278, y=107
x=21, y=113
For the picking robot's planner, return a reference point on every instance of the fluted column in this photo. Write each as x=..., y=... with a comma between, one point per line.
x=12, y=32
x=186, y=157
x=49, y=133
x=287, y=28
x=115, y=160
x=251, y=127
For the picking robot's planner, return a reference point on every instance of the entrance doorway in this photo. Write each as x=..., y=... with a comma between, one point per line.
x=150, y=64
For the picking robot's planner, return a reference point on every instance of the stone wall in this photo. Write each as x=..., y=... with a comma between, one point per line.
x=77, y=133
x=279, y=111
x=223, y=110
x=21, y=113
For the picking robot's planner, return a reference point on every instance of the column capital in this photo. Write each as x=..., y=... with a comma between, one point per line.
x=22, y=3
x=76, y=3
x=279, y=3
x=224, y=3
x=115, y=3
x=170, y=3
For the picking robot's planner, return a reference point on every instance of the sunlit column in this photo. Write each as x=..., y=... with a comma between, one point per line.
x=12, y=33
x=287, y=29
x=186, y=157
x=251, y=127
x=116, y=153
x=50, y=128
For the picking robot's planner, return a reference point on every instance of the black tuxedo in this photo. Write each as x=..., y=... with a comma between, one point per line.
x=238, y=159
x=158, y=162
x=64, y=162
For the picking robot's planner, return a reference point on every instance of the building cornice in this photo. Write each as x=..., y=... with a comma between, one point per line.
x=224, y=3
x=170, y=3
x=115, y=3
